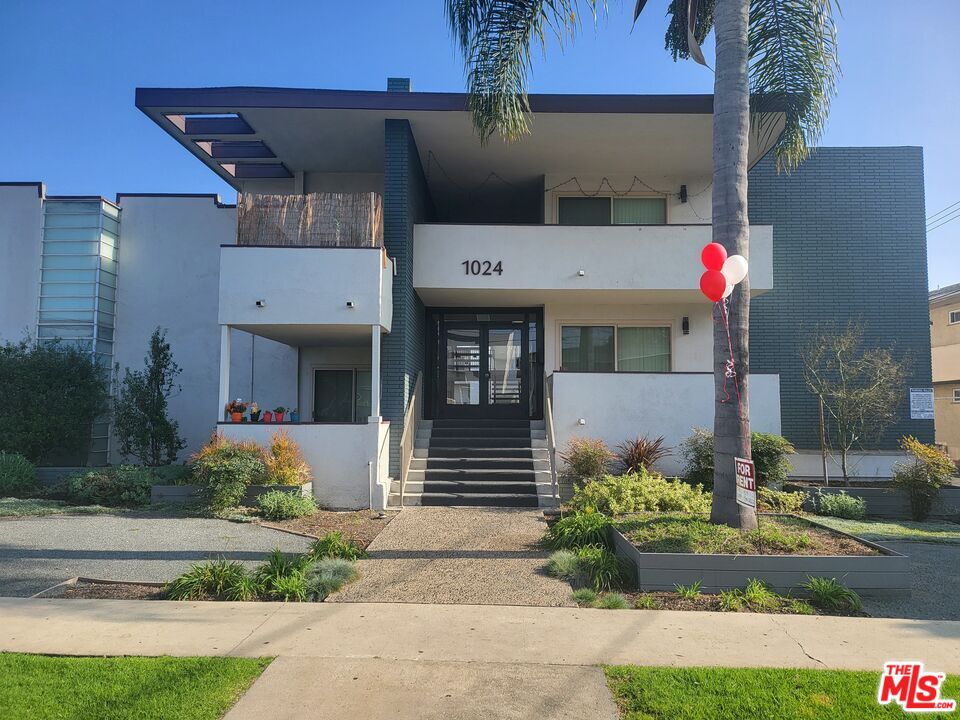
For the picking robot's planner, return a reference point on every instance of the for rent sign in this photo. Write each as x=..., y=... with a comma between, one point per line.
x=746, y=482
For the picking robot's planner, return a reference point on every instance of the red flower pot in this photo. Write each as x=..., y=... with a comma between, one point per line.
x=236, y=417
x=279, y=417
x=267, y=416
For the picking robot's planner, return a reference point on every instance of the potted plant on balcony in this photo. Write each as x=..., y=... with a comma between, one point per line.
x=236, y=409
x=254, y=412
x=267, y=416
x=278, y=413
x=295, y=415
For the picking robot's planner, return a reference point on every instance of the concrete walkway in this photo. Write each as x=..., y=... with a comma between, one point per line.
x=482, y=556
x=38, y=552
x=471, y=634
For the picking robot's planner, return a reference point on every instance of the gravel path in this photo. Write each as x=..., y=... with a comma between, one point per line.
x=38, y=552
x=935, y=571
x=475, y=556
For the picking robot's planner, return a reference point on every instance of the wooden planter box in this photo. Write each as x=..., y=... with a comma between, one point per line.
x=885, y=501
x=886, y=574
x=183, y=494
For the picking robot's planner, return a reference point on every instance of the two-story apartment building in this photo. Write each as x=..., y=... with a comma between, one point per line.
x=945, y=342
x=444, y=314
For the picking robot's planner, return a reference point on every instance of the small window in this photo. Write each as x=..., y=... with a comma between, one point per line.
x=954, y=317
x=956, y=395
x=610, y=348
x=611, y=211
x=341, y=396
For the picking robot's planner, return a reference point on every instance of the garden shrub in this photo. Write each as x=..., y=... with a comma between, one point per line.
x=285, y=464
x=922, y=479
x=641, y=453
x=51, y=394
x=18, y=476
x=769, y=456
x=279, y=505
x=334, y=545
x=585, y=597
x=780, y=501
x=639, y=492
x=579, y=529
x=599, y=568
x=831, y=594
x=587, y=458
x=328, y=575
x=840, y=505
x=283, y=577
x=219, y=579
x=613, y=601
x=117, y=486
x=225, y=468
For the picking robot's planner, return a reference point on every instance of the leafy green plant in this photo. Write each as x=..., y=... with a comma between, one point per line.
x=217, y=579
x=585, y=597
x=613, y=601
x=586, y=458
x=758, y=595
x=328, y=575
x=646, y=601
x=334, y=545
x=279, y=505
x=731, y=600
x=140, y=411
x=18, y=475
x=780, y=501
x=118, y=486
x=769, y=453
x=840, y=505
x=563, y=564
x=272, y=576
x=641, y=453
x=52, y=394
x=689, y=592
x=695, y=534
x=831, y=594
x=244, y=588
x=922, y=479
x=579, y=529
x=801, y=607
x=639, y=492
x=599, y=568
x=225, y=468
x=288, y=588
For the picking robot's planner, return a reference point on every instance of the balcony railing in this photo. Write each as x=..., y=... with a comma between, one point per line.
x=352, y=220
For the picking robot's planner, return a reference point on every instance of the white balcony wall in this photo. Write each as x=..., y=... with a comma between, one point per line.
x=619, y=406
x=344, y=459
x=21, y=229
x=647, y=263
x=304, y=286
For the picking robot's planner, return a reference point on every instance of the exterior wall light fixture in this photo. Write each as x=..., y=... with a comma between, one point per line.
x=683, y=193
x=582, y=421
x=581, y=273
x=261, y=304
x=685, y=325
x=351, y=304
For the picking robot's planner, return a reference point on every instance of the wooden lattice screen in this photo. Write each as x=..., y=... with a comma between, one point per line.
x=311, y=220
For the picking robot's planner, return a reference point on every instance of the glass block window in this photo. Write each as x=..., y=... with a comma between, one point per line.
x=78, y=284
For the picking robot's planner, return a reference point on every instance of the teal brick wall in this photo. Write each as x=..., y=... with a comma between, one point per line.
x=406, y=200
x=849, y=242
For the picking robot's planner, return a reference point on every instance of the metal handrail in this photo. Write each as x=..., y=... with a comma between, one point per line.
x=408, y=438
x=551, y=438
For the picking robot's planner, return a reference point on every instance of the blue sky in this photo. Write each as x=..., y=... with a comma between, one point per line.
x=68, y=70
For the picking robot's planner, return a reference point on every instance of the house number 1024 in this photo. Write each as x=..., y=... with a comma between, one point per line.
x=482, y=267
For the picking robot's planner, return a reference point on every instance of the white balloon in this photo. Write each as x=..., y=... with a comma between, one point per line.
x=728, y=291
x=734, y=268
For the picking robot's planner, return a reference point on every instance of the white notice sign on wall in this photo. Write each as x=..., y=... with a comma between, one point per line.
x=921, y=403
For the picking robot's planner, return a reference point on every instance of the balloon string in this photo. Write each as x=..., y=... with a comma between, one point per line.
x=730, y=366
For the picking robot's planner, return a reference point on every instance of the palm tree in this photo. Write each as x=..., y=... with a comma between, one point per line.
x=774, y=58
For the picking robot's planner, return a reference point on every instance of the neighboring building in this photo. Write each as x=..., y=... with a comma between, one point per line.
x=945, y=341
x=447, y=313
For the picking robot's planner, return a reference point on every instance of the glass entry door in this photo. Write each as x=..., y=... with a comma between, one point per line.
x=484, y=373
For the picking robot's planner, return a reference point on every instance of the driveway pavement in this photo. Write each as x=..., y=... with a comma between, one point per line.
x=38, y=552
x=935, y=573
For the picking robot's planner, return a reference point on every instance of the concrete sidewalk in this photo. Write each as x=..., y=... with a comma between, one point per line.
x=471, y=633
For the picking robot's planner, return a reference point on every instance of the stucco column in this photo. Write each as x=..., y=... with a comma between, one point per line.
x=224, y=371
x=374, y=374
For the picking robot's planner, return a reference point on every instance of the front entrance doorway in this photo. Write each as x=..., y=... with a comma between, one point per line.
x=485, y=364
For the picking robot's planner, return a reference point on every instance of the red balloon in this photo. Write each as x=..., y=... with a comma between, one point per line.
x=713, y=256
x=713, y=284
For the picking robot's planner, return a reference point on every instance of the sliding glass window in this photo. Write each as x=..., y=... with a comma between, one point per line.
x=612, y=348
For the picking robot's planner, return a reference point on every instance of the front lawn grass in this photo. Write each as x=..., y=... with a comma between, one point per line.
x=650, y=693
x=34, y=507
x=780, y=535
x=905, y=530
x=118, y=688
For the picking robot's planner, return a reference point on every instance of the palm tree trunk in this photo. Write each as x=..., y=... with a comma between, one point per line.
x=731, y=228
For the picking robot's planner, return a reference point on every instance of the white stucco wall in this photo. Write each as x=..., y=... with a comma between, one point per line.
x=21, y=232
x=338, y=455
x=619, y=406
x=168, y=276
x=867, y=464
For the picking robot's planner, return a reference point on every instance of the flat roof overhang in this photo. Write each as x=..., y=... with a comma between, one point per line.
x=250, y=133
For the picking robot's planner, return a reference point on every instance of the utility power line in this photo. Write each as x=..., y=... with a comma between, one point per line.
x=943, y=221
x=930, y=219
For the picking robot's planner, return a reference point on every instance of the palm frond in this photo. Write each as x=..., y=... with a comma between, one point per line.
x=676, y=38
x=496, y=38
x=794, y=69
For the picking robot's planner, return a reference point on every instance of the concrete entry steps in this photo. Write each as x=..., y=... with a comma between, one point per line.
x=487, y=463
